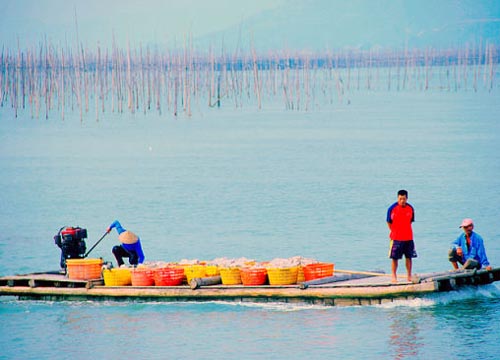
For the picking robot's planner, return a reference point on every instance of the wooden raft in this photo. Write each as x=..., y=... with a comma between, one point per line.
x=357, y=291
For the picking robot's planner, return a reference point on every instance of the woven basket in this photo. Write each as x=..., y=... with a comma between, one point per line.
x=230, y=276
x=169, y=276
x=282, y=276
x=318, y=271
x=117, y=277
x=143, y=277
x=194, y=271
x=257, y=276
x=84, y=269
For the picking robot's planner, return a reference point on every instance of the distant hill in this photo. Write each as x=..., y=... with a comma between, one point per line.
x=295, y=24
x=332, y=24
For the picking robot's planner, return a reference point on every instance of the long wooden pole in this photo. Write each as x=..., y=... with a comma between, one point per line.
x=371, y=273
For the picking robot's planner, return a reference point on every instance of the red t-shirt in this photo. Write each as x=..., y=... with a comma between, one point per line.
x=400, y=219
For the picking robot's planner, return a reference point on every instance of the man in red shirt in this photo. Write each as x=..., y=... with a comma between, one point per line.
x=400, y=216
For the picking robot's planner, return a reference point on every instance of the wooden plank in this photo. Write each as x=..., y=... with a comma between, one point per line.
x=371, y=273
x=51, y=279
x=332, y=279
x=368, y=290
x=228, y=292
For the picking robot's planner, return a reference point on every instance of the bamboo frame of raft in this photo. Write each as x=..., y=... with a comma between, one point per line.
x=368, y=290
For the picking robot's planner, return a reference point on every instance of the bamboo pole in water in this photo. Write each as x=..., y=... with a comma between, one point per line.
x=256, y=78
x=62, y=77
x=491, y=66
x=130, y=104
x=2, y=66
x=53, y=77
x=148, y=77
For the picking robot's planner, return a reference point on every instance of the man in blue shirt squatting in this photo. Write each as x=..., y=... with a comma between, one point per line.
x=130, y=245
x=468, y=249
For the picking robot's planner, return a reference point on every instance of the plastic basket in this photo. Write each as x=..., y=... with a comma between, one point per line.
x=194, y=271
x=300, y=275
x=212, y=270
x=282, y=276
x=143, y=277
x=257, y=276
x=117, y=277
x=169, y=276
x=230, y=276
x=84, y=269
x=318, y=271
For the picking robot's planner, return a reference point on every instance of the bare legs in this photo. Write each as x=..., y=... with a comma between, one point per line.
x=408, y=268
x=395, y=269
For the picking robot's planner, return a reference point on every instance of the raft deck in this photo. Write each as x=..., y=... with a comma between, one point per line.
x=365, y=291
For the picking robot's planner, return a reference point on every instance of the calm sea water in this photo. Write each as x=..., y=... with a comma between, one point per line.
x=259, y=184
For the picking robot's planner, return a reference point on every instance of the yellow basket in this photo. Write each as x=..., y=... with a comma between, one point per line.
x=84, y=269
x=300, y=275
x=230, y=276
x=194, y=271
x=212, y=270
x=282, y=276
x=117, y=277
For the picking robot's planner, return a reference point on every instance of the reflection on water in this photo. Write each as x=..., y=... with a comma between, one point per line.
x=405, y=339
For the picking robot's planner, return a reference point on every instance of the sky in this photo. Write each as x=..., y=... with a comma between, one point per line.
x=158, y=21
x=268, y=24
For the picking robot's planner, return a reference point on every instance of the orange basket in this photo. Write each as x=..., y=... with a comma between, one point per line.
x=169, y=276
x=230, y=276
x=257, y=276
x=318, y=271
x=142, y=276
x=282, y=276
x=84, y=269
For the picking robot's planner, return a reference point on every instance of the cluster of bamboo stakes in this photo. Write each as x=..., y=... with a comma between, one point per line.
x=46, y=78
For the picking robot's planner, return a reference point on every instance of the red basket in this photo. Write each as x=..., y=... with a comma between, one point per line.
x=169, y=276
x=253, y=276
x=143, y=277
x=318, y=271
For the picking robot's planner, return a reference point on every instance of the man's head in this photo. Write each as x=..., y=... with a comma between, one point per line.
x=467, y=225
x=402, y=197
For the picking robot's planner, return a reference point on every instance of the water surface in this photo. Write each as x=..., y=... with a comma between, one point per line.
x=259, y=184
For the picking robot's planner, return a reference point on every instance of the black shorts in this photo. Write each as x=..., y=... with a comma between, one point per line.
x=400, y=248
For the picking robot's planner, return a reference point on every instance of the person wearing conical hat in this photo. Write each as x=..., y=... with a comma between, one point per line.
x=130, y=245
x=468, y=249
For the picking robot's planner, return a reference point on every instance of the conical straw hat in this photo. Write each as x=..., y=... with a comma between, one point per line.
x=127, y=237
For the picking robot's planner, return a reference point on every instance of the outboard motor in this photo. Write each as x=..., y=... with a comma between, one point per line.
x=71, y=241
